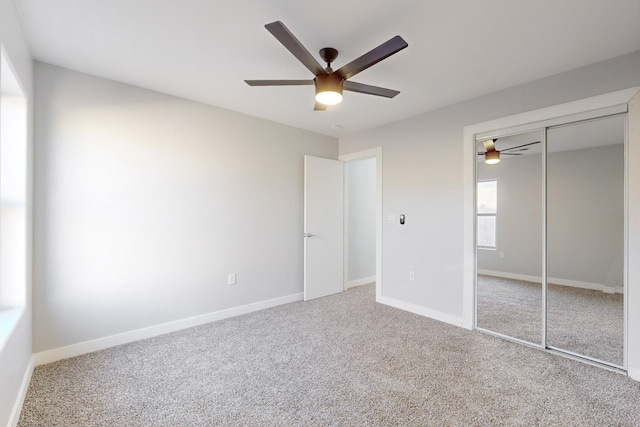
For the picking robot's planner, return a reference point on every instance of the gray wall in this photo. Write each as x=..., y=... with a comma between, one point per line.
x=361, y=205
x=585, y=215
x=14, y=358
x=146, y=202
x=423, y=178
x=585, y=205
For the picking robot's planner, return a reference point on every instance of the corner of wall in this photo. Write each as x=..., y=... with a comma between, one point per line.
x=22, y=393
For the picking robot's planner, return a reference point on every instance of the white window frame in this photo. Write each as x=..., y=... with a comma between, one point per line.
x=13, y=198
x=488, y=214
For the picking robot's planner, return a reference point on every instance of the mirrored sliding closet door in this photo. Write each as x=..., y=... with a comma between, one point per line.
x=509, y=235
x=585, y=238
x=550, y=211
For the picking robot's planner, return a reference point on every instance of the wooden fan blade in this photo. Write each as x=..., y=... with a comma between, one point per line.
x=279, y=82
x=368, y=89
x=501, y=153
x=372, y=57
x=520, y=146
x=294, y=46
x=319, y=107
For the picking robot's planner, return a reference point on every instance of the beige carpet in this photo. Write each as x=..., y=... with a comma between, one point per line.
x=583, y=321
x=338, y=361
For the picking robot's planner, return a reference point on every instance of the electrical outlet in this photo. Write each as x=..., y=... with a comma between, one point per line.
x=391, y=219
x=501, y=254
x=231, y=279
x=412, y=276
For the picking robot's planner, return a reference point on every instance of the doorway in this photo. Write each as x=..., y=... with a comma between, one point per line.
x=360, y=222
x=363, y=219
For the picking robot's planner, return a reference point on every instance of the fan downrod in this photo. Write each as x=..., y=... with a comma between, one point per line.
x=328, y=55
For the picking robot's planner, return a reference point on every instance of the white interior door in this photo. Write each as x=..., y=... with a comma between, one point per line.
x=323, y=227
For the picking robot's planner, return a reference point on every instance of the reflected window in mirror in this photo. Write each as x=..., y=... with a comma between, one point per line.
x=487, y=195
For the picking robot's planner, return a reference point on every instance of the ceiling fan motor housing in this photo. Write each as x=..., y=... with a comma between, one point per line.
x=328, y=84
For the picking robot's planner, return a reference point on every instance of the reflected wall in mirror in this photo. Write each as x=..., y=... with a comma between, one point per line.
x=585, y=238
x=509, y=237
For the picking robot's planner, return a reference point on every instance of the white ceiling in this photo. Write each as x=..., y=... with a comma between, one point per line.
x=204, y=49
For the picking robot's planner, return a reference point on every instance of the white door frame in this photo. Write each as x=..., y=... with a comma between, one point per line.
x=374, y=153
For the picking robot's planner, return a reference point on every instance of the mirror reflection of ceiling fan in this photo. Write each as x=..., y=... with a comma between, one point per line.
x=492, y=155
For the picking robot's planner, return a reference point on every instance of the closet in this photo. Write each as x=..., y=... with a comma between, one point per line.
x=550, y=235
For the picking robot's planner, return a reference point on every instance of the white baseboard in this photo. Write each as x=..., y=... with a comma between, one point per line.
x=360, y=282
x=554, y=281
x=422, y=311
x=514, y=276
x=73, y=350
x=22, y=394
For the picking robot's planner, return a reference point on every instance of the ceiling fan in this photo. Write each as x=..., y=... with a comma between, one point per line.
x=492, y=155
x=330, y=84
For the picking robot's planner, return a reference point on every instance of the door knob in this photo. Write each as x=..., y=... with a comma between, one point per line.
x=308, y=235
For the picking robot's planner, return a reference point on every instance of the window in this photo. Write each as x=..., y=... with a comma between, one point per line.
x=13, y=196
x=487, y=196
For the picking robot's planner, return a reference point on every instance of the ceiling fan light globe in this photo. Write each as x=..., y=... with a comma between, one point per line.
x=328, y=89
x=492, y=157
x=329, y=97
